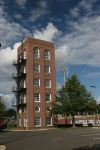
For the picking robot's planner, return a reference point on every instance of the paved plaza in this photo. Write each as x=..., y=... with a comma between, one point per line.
x=53, y=139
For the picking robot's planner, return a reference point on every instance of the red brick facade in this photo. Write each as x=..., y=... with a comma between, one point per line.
x=38, y=81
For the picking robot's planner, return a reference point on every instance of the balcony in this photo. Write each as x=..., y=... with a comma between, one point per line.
x=14, y=76
x=22, y=103
x=24, y=100
x=21, y=74
x=23, y=71
x=20, y=89
x=22, y=59
x=14, y=89
x=15, y=63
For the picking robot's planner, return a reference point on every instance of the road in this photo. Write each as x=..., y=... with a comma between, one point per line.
x=54, y=139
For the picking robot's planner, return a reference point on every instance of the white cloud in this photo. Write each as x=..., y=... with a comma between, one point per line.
x=81, y=46
x=7, y=56
x=49, y=33
x=21, y=2
x=39, y=11
x=18, y=16
x=92, y=74
x=8, y=100
x=10, y=32
x=98, y=100
x=83, y=5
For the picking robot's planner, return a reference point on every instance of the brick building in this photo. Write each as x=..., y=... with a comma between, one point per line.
x=36, y=83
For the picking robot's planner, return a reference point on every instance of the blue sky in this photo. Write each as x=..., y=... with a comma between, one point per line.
x=74, y=27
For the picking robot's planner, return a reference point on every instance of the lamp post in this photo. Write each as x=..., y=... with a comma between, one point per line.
x=93, y=93
x=65, y=70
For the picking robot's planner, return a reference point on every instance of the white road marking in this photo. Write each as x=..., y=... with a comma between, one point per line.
x=82, y=130
x=85, y=132
x=96, y=138
x=90, y=134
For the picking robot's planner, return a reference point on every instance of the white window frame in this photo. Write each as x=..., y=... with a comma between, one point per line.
x=50, y=121
x=20, y=122
x=39, y=121
x=24, y=98
x=37, y=98
x=20, y=111
x=47, y=54
x=47, y=69
x=36, y=52
x=38, y=109
x=49, y=97
x=37, y=68
x=38, y=82
x=48, y=85
x=24, y=54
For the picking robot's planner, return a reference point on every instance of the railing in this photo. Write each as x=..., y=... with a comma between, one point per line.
x=15, y=62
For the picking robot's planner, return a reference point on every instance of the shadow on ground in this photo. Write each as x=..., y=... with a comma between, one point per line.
x=95, y=147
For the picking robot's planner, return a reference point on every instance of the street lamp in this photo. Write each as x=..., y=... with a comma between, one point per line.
x=65, y=70
x=93, y=93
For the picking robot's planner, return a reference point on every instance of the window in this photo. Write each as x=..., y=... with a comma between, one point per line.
x=25, y=122
x=23, y=69
x=37, y=121
x=37, y=109
x=47, y=69
x=36, y=52
x=48, y=97
x=37, y=68
x=47, y=55
x=20, y=111
x=24, y=98
x=48, y=109
x=20, y=122
x=48, y=83
x=49, y=121
x=37, y=97
x=24, y=55
x=36, y=82
x=24, y=84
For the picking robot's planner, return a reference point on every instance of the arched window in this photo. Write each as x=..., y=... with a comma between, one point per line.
x=48, y=109
x=37, y=109
x=36, y=52
x=47, y=54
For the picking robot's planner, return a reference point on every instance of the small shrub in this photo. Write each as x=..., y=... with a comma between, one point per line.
x=79, y=125
x=90, y=125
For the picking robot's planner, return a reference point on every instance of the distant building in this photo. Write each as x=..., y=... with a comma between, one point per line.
x=36, y=83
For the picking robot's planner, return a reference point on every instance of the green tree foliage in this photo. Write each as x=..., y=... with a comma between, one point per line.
x=11, y=113
x=98, y=108
x=2, y=108
x=73, y=98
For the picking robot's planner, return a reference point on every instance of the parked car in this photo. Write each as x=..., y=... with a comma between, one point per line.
x=3, y=124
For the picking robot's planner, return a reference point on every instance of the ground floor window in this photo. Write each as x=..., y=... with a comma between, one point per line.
x=20, y=122
x=37, y=121
x=49, y=121
x=25, y=122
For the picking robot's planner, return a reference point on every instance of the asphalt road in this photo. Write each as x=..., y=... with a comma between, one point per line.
x=54, y=139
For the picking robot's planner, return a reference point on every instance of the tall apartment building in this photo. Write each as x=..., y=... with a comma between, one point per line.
x=36, y=83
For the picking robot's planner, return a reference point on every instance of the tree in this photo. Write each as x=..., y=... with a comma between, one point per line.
x=11, y=113
x=73, y=98
x=2, y=108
